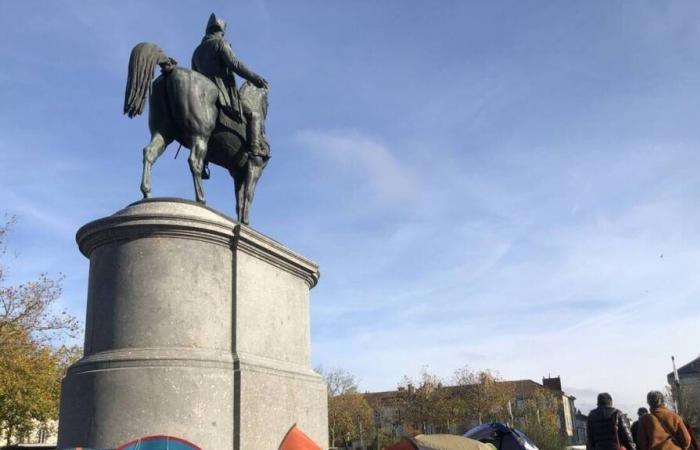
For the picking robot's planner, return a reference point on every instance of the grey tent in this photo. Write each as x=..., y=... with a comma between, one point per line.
x=502, y=436
x=439, y=442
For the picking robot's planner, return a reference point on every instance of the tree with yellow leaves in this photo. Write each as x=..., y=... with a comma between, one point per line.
x=483, y=397
x=540, y=420
x=427, y=405
x=31, y=362
x=350, y=417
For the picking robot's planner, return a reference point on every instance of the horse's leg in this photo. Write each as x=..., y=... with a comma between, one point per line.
x=238, y=176
x=256, y=164
x=151, y=152
x=196, y=160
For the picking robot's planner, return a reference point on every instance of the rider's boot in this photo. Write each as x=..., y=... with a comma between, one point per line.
x=254, y=132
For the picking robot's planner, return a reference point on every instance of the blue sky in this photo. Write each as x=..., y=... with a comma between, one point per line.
x=510, y=185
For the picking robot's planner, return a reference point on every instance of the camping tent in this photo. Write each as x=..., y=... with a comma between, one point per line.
x=501, y=436
x=439, y=442
x=158, y=443
x=298, y=440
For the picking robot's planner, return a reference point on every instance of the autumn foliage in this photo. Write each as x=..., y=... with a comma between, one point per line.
x=33, y=359
x=350, y=417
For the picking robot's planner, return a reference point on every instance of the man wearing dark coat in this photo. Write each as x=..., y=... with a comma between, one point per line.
x=214, y=59
x=635, y=426
x=606, y=428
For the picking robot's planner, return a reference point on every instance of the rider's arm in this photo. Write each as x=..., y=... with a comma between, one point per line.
x=237, y=66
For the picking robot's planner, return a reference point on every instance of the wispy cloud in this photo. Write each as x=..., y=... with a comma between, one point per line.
x=530, y=290
x=354, y=154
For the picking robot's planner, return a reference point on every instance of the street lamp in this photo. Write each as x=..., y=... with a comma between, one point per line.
x=677, y=382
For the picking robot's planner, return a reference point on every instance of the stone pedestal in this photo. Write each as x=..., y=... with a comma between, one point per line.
x=197, y=327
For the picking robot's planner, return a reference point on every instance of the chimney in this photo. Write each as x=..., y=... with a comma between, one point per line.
x=552, y=383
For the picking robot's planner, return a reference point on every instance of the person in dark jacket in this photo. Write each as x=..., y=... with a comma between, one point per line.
x=214, y=59
x=606, y=428
x=635, y=426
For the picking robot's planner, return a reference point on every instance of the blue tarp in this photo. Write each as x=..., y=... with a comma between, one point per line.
x=159, y=443
x=153, y=443
x=501, y=436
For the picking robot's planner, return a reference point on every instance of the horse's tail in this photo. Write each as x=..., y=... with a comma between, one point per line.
x=142, y=63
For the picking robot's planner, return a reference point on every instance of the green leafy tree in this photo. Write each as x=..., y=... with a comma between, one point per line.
x=349, y=414
x=349, y=417
x=31, y=364
x=483, y=396
x=540, y=420
x=29, y=385
x=428, y=406
x=382, y=440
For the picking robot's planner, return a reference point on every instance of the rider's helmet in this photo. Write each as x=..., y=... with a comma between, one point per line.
x=215, y=24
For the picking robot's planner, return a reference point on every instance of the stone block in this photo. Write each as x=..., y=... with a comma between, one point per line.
x=197, y=327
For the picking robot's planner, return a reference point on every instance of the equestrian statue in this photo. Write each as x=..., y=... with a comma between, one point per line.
x=203, y=110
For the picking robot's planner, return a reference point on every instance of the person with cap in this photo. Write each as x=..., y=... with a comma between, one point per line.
x=635, y=426
x=661, y=429
x=606, y=428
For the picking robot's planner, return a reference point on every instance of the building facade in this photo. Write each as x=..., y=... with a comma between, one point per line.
x=686, y=393
x=391, y=418
x=43, y=434
x=580, y=429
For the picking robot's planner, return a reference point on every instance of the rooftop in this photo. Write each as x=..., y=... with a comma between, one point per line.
x=691, y=368
x=521, y=387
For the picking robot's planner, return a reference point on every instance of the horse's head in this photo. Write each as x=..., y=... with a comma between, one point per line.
x=253, y=99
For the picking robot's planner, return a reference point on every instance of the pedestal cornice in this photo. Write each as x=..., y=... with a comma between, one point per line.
x=177, y=218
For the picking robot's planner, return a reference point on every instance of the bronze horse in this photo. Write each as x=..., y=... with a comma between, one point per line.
x=183, y=108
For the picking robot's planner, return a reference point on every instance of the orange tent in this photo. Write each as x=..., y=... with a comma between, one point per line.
x=298, y=440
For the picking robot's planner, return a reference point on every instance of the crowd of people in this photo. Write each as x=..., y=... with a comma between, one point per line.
x=657, y=428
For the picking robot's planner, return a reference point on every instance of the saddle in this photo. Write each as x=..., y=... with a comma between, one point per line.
x=231, y=120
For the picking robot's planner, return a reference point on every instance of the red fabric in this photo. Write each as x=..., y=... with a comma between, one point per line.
x=298, y=440
x=405, y=444
x=694, y=444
